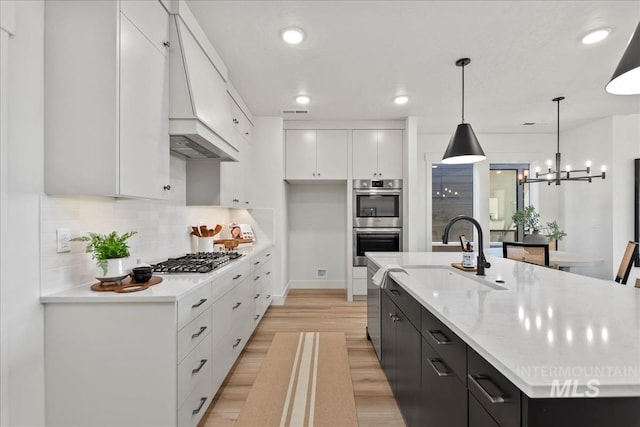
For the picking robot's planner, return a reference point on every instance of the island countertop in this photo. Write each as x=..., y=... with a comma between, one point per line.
x=538, y=326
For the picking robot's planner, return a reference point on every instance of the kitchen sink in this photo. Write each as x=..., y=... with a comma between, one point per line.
x=449, y=278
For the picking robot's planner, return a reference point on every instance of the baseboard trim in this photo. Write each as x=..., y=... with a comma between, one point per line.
x=317, y=284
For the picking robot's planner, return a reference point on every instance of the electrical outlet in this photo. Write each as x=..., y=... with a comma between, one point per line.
x=63, y=240
x=321, y=273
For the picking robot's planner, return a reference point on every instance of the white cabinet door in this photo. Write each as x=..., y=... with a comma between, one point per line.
x=331, y=151
x=365, y=154
x=390, y=154
x=300, y=154
x=144, y=109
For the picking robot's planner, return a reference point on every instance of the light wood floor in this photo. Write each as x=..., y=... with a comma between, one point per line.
x=312, y=310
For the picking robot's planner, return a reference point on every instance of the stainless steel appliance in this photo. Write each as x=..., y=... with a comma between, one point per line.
x=375, y=240
x=201, y=262
x=377, y=203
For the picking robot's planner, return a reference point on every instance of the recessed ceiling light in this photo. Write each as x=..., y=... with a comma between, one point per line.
x=292, y=35
x=303, y=99
x=401, y=99
x=596, y=35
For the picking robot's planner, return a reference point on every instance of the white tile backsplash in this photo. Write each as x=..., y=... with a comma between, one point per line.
x=163, y=228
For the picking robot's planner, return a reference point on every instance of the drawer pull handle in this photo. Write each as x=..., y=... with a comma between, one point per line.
x=202, y=301
x=256, y=278
x=445, y=373
x=238, y=304
x=237, y=276
x=268, y=255
x=202, y=363
x=257, y=296
x=268, y=296
x=202, y=402
x=197, y=334
x=441, y=341
x=268, y=273
x=395, y=292
x=395, y=318
x=256, y=317
x=238, y=340
x=256, y=263
x=475, y=380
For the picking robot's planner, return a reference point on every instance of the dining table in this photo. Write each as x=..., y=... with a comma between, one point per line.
x=565, y=260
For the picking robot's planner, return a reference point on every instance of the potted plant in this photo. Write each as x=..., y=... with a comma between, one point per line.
x=111, y=253
x=530, y=221
x=553, y=233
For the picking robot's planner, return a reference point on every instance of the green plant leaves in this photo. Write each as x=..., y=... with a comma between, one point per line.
x=106, y=246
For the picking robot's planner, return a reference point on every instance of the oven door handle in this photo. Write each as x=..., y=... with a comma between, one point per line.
x=381, y=192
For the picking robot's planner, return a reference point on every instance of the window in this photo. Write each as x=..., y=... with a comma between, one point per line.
x=452, y=194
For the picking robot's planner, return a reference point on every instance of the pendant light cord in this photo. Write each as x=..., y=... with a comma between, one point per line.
x=558, y=129
x=463, y=94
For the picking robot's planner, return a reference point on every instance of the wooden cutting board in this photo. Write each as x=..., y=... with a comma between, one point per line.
x=126, y=285
x=460, y=267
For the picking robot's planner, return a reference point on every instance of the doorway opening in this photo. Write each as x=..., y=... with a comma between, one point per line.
x=506, y=197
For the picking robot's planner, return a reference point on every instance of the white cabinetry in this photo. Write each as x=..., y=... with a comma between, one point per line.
x=106, y=98
x=218, y=183
x=150, y=361
x=316, y=154
x=241, y=122
x=377, y=154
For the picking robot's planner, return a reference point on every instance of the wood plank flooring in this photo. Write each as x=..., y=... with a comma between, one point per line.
x=312, y=310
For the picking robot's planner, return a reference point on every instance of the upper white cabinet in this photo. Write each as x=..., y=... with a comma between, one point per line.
x=316, y=154
x=218, y=183
x=107, y=98
x=242, y=121
x=377, y=154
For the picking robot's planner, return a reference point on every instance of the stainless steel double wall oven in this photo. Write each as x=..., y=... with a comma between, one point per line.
x=377, y=217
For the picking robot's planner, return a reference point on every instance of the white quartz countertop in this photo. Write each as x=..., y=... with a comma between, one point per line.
x=172, y=288
x=542, y=329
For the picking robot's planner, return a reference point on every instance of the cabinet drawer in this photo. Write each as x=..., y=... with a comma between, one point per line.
x=450, y=347
x=493, y=391
x=193, y=304
x=478, y=417
x=405, y=302
x=444, y=396
x=194, y=368
x=231, y=310
x=193, y=334
x=195, y=405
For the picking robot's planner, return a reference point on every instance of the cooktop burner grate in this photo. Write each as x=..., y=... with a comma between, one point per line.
x=200, y=262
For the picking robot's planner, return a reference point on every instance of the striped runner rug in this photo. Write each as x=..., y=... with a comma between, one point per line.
x=304, y=381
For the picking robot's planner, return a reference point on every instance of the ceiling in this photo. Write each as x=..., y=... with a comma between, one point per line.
x=358, y=55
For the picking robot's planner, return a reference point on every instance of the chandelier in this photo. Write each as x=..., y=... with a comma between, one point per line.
x=558, y=175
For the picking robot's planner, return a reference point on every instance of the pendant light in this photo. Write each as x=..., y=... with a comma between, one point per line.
x=463, y=146
x=626, y=78
x=557, y=175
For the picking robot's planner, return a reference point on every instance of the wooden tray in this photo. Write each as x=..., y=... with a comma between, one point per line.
x=127, y=285
x=459, y=266
x=231, y=243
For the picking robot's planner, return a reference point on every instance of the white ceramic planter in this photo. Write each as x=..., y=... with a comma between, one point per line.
x=117, y=269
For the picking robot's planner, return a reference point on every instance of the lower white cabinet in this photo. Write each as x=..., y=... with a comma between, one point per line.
x=150, y=361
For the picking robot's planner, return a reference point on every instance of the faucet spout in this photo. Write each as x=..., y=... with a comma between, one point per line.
x=481, y=261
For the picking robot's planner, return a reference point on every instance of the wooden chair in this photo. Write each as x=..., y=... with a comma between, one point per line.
x=626, y=263
x=533, y=253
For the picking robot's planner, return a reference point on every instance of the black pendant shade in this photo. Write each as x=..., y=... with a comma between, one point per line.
x=626, y=78
x=463, y=146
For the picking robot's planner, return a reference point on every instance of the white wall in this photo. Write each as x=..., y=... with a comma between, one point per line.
x=22, y=155
x=317, y=238
x=599, y=216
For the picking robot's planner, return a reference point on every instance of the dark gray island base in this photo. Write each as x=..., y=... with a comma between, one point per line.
x=440, y=381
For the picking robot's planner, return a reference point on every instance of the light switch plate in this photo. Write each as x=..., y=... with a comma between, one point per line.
x=63, y=240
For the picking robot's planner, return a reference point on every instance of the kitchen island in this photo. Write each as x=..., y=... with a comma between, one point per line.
x=527, y=345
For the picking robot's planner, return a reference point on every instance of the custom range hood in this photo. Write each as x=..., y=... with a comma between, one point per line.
x=200, y=122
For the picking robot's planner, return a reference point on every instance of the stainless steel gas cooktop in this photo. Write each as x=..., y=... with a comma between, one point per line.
x=200, y=262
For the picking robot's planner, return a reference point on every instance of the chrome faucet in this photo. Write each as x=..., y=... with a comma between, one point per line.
x=481, y=260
